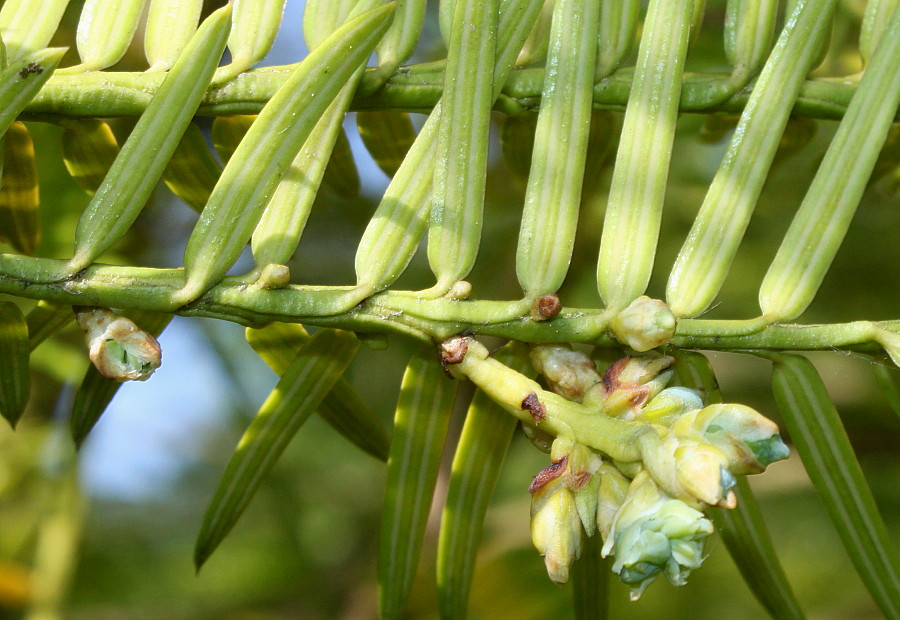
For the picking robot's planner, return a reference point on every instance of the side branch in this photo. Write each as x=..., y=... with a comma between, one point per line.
x=414, y=89
x=248, y=304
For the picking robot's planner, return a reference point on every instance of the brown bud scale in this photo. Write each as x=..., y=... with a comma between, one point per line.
x=548, y=474
x=534, y=406
x=546, y=307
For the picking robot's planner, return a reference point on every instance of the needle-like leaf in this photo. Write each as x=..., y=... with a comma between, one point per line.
x=14, y=351
x=743, y=528
x=170, y=26
x=343, y=408
x=89, y=149
x=25, y=30
x=388, y=137
x=420, y=427
x=272, y=142
x=193, y=172
x=45, y=319
x=19, y=197
x=309, y=378
x=821, y=222
x=457, y=202
x=553, y=195
x=819, y=437
x=634, y=209
x=143, y=157
x=479, y=457
x=104, y=33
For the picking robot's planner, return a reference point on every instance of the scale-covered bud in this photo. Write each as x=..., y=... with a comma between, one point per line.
x=702, y=471
x=118, y=348
x=645, y=324
x=690, y=470
x=563, y=500
x=568, y=373
x=629, y=384
x=580, y=475
x=555, y=527
x=670, y=405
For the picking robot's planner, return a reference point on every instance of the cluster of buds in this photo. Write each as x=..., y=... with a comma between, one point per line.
x=649, y=532
x=632, y=458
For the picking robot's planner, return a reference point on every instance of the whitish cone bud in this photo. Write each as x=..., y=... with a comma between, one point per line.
x=612, y=491
x=748, y=439
x=568, y=373
x=689, y=470
x=670, y=405
x=556, y=528
x=644, y=325
x=701, y=470
x=629, y=384
x=652, y=534
x=118, y=348
x=460, y=290
x=640, y=370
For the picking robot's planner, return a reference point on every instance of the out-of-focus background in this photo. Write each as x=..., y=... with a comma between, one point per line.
x=112, y=529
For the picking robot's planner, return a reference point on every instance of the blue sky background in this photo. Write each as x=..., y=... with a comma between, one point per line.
x=150, y=431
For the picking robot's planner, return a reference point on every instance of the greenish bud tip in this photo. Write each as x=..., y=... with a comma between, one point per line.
x=768, y=451
x=639, y=573
x=728, y=481
x=556, y=527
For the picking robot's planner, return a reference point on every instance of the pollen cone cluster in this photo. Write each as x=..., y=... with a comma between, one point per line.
x=632, y=458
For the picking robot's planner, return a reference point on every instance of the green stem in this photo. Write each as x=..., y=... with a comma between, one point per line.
x=398, y=311
x=415, y=89
x=622, y=440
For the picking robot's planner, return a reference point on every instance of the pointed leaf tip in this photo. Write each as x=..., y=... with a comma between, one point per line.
x=14, y=353
x=310, y=376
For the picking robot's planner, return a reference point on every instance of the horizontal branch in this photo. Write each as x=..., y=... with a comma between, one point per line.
x=248, y=304
x=414, y=89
